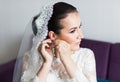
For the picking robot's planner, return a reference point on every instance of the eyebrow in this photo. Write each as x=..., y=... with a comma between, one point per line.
x=73, y=28
x=76, y=27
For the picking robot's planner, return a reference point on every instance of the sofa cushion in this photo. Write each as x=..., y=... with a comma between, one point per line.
x=101, y=51
x=6, y=71
x=114, y=65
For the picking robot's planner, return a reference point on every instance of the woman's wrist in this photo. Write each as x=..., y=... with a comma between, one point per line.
x=47, y=60
x=42, y=74
x=65, y=57
x=46, y=66
x=47, y=63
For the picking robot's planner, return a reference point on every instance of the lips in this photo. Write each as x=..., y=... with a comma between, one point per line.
x=78, y=42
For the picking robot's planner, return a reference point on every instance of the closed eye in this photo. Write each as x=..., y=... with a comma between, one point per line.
x=72, y=30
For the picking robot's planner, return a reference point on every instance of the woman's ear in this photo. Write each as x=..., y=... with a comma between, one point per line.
x=52, y=35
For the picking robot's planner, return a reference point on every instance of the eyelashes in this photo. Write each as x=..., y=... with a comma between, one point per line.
x=72, y=31
x=75, y=28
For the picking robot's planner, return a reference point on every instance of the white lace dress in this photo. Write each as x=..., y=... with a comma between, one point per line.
x=84, y=58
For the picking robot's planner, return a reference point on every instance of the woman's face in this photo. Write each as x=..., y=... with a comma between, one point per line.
x=71, y=32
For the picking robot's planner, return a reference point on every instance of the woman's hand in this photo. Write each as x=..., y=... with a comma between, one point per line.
x=45, y=49
x=63, y=49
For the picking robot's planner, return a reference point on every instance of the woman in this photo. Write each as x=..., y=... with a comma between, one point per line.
x=56, y=55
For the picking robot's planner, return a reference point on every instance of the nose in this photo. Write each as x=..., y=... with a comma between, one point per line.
x=80, y=34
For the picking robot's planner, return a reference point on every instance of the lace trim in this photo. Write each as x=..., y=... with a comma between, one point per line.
x=35, y=59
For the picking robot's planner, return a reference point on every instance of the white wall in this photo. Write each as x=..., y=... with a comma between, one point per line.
x=100, y=20
x=14, y=17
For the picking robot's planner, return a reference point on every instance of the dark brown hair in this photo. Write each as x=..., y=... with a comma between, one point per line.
x=60, y=11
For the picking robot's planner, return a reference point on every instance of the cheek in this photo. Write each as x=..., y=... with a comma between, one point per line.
x=69, y=39
x=72, y=41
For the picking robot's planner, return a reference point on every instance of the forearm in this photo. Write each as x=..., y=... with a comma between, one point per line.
x=73, y=71
x=70, y=66
x=43, y=72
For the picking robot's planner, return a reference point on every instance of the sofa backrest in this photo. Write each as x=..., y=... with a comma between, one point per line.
x=6, y=71
x=101, y=51
x=114, y=63
x=107, y=56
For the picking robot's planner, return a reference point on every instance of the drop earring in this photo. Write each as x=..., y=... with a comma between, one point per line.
x=53, y=51
x=53, y=48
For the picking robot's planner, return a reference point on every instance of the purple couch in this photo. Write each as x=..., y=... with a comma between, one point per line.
x=6, y=71
x=107, y=56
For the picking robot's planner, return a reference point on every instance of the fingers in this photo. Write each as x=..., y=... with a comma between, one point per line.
x=63, y=47
x=61, y=43
x=46, y=41
x=44, y=44
x=45, y=49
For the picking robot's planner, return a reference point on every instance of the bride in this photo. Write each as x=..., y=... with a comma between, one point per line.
x=56, y=55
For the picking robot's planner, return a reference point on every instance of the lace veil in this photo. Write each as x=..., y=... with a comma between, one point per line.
x=34, y=55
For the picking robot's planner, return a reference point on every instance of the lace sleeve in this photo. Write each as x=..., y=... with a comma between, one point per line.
x=25, y=73
x=80, y=77
x=25, y=66
x=36, y=79
x=87, y=72
x=90, y=67
x=25, y=62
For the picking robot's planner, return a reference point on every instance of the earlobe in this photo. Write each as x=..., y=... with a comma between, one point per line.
x=52, y=35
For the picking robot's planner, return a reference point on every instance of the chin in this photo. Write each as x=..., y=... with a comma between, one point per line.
x=76, y=48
